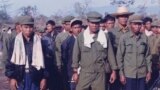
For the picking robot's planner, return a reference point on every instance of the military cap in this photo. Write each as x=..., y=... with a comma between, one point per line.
x=135, y=19
x=17, y=20
x=76, y=21
x=67, y=18
x=26, y=20
x=155, y=23
x=94, y=16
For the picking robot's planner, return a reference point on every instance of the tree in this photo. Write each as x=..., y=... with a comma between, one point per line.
x=29, y=10
x=126, y=3
x=81, y=8
x=4, y=16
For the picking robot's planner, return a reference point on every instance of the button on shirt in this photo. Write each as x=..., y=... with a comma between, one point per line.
x=133, y=55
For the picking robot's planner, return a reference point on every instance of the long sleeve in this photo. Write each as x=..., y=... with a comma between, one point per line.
x=58, y=51
x=148, y=57
x=111, y=55
x=120, y=55
x=76, y=54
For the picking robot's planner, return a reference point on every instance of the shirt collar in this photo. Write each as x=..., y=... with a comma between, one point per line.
x=123, y=29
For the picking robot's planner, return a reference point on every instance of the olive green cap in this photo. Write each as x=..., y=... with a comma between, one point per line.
x=26, y=20
x=135, y=19
x=94, y=16
x=67, y=18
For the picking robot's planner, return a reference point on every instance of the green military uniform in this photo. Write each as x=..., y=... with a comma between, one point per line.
x=156, y=47
x=115, y=35
x=133, y=55
x=59, y=40
x=152, y=38
x=92, y=60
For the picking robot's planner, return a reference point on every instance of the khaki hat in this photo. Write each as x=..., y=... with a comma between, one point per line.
x=76, y=20
x=94, y=16
x=67, y=18
x=122, y=11
x=135, y=19
x=26, y=20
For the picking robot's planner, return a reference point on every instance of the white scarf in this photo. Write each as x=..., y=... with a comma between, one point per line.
x=19, y=56
x=88, y=38
x=148, y=33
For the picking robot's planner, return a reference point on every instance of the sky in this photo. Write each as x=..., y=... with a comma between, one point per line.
x=49, y=7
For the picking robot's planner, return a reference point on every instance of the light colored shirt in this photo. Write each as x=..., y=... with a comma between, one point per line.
x=148, y=33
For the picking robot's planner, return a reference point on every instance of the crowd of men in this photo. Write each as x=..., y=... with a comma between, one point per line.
x=118, y=52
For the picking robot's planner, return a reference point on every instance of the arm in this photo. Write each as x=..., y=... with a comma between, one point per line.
x=120, y=55
x=76, y=55
x=111, y=55
x=58, y=51
x=148, y=57
x=112, y=61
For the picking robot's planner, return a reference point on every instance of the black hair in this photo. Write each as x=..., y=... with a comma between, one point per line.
x=76, y=22
x=109, y=18
x=102, y=21
x=147, y=19
x=51, y=22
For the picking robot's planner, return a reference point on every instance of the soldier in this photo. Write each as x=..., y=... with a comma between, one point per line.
x=67, y=52
x=58, y=52
x=48, y=40
x=121, y=27
x=61, y=37
x=122, y=16
x=147, y=21
x=133, y=56
x=50, y=28
x=25, y=68
x=109, y=22
x=152, y=39
x=92, y=49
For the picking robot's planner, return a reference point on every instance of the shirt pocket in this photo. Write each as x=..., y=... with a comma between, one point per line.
x=129, y=47
x=142, y=47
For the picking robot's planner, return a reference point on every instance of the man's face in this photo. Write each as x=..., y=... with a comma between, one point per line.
x=148, y=25
x=93, y=26
x=109, y=24
x=67, y=26
x=135, y=27
x=50, y=28
x=123, y=19
x=154, y=29
x=76, y=29
x=27, y=30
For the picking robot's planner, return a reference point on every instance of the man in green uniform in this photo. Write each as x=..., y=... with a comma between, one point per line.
x=122, y=16
x=61, y=37
x=134, y=58
x=121, y=27
x=92, y=50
